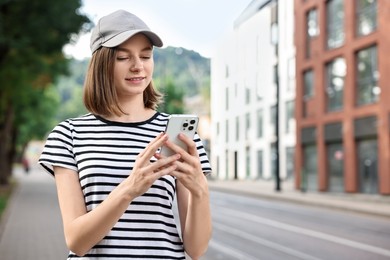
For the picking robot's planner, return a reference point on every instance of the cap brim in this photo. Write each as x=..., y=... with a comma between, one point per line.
x=122, y=37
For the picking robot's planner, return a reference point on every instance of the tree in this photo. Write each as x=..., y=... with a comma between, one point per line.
x=32, y=34
x=173, y=99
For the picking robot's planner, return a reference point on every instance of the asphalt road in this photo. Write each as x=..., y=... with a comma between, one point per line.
x=252, y=228
x=243, y=228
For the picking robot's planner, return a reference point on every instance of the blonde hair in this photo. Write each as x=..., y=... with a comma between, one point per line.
x=100, y=96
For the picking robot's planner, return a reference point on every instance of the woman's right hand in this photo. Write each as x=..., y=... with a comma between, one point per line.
x=145, y=172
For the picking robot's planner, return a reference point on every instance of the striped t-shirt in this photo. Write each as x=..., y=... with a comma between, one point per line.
x=103, y=153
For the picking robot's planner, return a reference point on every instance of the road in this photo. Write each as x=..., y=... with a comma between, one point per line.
x=252, y=228
x=243, y=228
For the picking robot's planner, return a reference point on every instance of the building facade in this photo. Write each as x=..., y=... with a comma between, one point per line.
x=342, y=86
x=252, y=95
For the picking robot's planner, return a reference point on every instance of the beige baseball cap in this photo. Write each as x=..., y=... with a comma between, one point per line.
x=115, y=28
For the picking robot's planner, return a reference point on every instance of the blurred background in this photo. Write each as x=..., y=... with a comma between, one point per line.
x=291, y=96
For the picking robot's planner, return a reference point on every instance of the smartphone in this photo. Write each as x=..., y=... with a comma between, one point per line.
x=186, y=124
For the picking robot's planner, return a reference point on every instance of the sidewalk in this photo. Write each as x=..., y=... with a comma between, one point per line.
x=362, y=203
x=31, y=227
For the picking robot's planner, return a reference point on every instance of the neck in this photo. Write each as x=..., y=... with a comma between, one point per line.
x=135, y=111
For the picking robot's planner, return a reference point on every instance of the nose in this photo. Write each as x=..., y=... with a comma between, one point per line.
x=137, y=64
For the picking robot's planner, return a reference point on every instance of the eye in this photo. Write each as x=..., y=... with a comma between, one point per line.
x=145, y=57
x=121, y=58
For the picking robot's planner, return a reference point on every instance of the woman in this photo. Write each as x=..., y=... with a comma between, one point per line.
x=115, y=191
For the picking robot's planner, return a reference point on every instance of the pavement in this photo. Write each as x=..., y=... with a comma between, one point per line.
x=31, y=226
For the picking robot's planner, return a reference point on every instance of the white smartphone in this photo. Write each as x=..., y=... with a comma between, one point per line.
x=183, y=123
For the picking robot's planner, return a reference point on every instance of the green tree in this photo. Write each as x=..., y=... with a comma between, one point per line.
x=173, y=99
x=32, y=34
x=70, y=89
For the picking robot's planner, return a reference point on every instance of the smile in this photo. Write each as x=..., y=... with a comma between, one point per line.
x=135, y=79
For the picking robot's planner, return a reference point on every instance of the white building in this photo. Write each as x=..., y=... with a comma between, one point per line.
x=244, y=76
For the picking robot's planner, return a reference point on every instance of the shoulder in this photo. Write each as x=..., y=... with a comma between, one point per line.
x=80, y=120
x=162, y=116
x=69, y=125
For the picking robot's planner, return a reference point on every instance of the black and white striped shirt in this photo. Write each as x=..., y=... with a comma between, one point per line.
x=103, y=153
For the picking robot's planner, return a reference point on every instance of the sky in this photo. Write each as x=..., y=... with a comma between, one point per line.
x=198, y=25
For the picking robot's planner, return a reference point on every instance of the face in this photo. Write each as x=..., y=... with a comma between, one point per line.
x=133, y=67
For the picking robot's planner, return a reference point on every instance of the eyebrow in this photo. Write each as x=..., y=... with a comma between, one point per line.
x=149, y=48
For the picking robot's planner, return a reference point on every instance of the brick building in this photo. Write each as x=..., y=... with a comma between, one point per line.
x=342, y=95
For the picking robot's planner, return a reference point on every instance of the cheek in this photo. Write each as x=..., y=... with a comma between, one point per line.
x=150, y=68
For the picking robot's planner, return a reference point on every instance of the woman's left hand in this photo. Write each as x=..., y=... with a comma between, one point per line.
x=189, y=170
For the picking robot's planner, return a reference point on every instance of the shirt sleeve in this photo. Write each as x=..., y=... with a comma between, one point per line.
x=204, y=160
x=58, y=150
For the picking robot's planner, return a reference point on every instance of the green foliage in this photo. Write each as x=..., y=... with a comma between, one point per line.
x=32, y=34
x=189, y=71
x=173, y=99
x=70, y=91
x=35, y=115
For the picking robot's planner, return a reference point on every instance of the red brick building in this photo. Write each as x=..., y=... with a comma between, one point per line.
x=343, y=95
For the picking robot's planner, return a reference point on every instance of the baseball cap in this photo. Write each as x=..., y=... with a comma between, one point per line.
x=115, y=28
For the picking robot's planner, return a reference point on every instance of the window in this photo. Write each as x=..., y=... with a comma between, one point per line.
x=274, y=161
x=274, y=25
x=290, y=120
x=247, y=95
x=366, y=16
x=248, y=162
x=259, y=123
x=335, y=161
x=274, y=34
x=260, y=164
x=227, y=131
x=335, y=81
x=227, y=99
x=313, y=29
x=247, y=125
x=226, y=164
x=290, y=162
x=258, y=89
x=367, y=76
x=308, y=84
x=310, y=163
x=368, y=165
x=335, y=23
x=273, y=120
x=276, y=74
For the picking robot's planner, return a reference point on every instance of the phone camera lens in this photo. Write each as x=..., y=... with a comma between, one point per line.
x=190, y=128
x=185, y=124
x=192, y=122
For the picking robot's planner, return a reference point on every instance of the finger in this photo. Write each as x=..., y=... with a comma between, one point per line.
x=162, y=163
x=183, y=167
x=159, y=136
x=191, y=146
x=151, y=148
x=177, y=174
x=185, y=156
x=165, y=171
